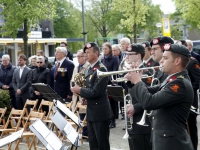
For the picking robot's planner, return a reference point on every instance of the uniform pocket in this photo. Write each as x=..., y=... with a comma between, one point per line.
x=165, y=133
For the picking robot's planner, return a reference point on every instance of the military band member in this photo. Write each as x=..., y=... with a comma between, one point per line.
x=98, y=110
x=194, y=74
x=148, y=60
x=157, y=52
x=171, y=101
x=139, y=136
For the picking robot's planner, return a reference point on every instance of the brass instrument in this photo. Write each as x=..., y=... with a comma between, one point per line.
x=122, y=79
x=142, y=121
x=128, y=127
x=79, y=79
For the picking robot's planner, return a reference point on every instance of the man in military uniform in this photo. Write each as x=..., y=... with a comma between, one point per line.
x=148, y=60
x=157, y=52
x=139, y=135
x=98, y=107
x=171, y=101
x=194, y=74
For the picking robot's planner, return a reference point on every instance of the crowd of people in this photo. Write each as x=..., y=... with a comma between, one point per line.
x=169, y=91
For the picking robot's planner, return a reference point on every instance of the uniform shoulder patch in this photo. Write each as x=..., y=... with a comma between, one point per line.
x=175, y=88
x=180, y=77
x=197, y=66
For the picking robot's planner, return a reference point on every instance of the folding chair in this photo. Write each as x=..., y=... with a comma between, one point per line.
x=28, y=134
x=2, y=118
x=15, y=117
x=30, y=103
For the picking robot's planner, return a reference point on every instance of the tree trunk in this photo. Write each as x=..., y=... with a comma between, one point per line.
x=25, y=38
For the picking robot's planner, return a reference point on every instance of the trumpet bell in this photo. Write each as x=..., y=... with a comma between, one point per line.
x=126, y=135
x=142, y=123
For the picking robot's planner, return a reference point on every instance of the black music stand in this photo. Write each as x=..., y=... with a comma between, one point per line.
x=116, y=92
x=47, y=92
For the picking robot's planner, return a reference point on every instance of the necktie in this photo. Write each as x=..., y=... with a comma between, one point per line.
x=56, y=71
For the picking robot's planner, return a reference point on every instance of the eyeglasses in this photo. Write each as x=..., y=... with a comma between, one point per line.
x=127, y=54
x=80, y=56
x=40, y=62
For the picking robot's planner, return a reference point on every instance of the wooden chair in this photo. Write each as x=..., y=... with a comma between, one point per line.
x=15, y=117
x=46, y=103
x=32, y=103
x=28, y=134
x=2, y=118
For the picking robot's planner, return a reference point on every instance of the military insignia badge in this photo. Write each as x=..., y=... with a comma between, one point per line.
x=167, y=47
x=155, y=41
x=88, y=45
x=144, y=45
x=90, y=77
x=129, y=48
x=149, y=80
x=197, y=66
x=95, y=68
x=174, y=88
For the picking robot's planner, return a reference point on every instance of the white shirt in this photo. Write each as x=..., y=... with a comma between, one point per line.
x=61, y=61
x=21, y=69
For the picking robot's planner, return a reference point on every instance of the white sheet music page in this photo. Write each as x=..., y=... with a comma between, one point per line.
x=65, y=110
x=54, y=141
x=10, y=138
x=41, y=128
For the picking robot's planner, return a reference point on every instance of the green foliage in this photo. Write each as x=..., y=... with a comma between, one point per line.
x=189, y=10
x=176, y=34
x=102, y=17
x=68, y=23
x=5, y=100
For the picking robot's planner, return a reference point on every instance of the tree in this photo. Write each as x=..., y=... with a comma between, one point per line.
x=19, y=13
x=103, y=18
x=133, y=12
x=189, y=10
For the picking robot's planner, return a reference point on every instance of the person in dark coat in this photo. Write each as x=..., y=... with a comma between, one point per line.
x=6, y=75
x=111, y=63
x=47, y=63
x=41, y=74
x=194, y=74
x=139, y=135
x=157, y=52
x=61, y=74
x=98, y=111
x=190, y=48
x=21, y=82
x=171, y=101
x=32, y=62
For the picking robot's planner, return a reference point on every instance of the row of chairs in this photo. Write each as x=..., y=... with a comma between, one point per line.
x=21, y=119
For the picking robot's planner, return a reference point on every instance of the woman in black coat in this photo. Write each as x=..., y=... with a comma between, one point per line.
x=111, y=63
x=41, y=74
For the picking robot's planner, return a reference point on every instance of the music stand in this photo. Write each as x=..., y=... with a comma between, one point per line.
x=67, y=129
x=47, y=92
x=46, y=136
x=116, y=92
x=11, y=138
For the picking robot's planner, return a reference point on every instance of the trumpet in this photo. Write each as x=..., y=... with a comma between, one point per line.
x=128, y=127
x=122, y=79
x=142, y=121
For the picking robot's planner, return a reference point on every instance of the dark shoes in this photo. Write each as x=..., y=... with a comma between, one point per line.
x=122, y=118
x=112, y=125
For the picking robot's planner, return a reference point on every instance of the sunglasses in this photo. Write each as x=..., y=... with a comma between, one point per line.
x=40, y=62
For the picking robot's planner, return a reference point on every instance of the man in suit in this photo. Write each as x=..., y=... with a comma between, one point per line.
x=69, y=55
x=21, y=81
x=98, y=107
x=190, y=48
x=171, y=101
x=139, y=135
x=62, y=74
x=194, y=74
x=157, y=52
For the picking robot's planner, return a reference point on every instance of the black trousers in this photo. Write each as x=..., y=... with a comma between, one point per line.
x=139, y=142
x=113, y=105
x=20, y=102
x=192, y=123
x=98, y=135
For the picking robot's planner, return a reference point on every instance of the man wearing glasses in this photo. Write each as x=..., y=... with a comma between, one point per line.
x=157, y=52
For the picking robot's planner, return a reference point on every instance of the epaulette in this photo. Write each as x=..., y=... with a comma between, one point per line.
x=180, y=77
x=101, y=65
x=192, y=58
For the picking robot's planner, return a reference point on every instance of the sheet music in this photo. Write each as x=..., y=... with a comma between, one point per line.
x=67, y=112
x=11, y=138
x=71, y=133
x=41, y=128
x=55, y=142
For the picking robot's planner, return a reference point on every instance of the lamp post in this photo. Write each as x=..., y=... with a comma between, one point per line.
x=159, y=25
x=83, y=19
